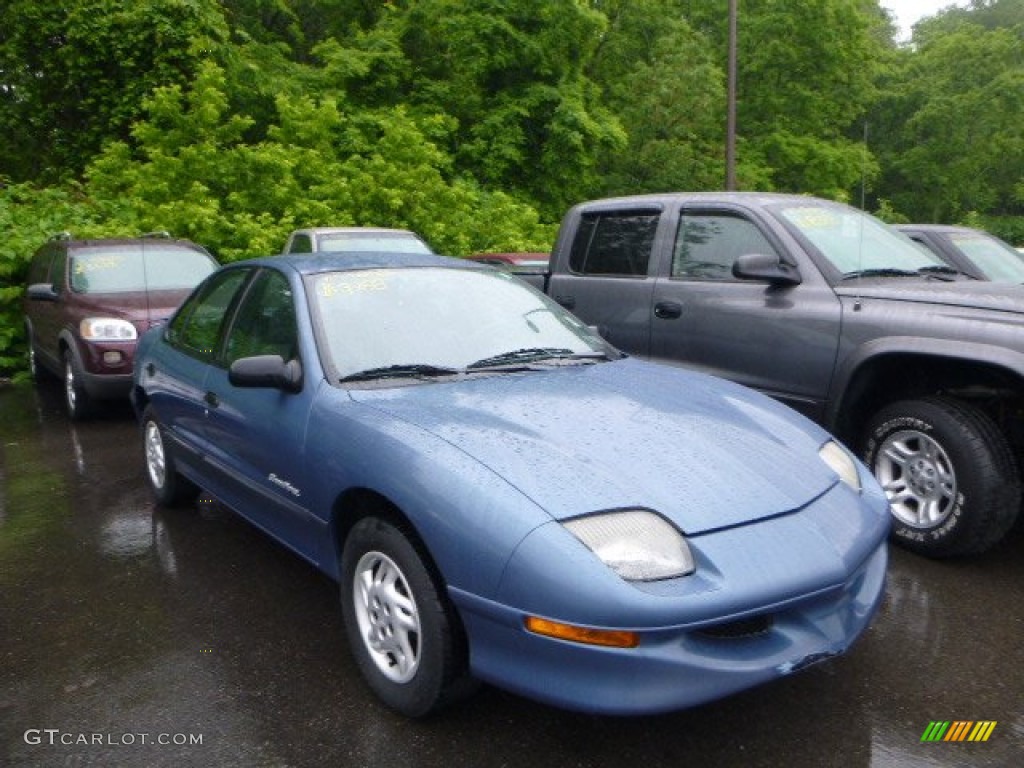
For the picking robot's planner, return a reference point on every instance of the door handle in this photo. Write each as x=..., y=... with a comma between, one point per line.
x=668, y=310
x=566, y=301
x=211, y=399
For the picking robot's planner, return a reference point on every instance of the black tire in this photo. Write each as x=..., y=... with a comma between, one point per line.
x=169, y=487
x=950, y=475
x=77, y=401
x=428, y=671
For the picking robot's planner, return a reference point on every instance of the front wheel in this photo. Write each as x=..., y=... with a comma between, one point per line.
x=404, y=635
x=948, y=472
x=77, y=401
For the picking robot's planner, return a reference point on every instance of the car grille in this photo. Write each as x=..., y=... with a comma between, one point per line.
x=748, y=627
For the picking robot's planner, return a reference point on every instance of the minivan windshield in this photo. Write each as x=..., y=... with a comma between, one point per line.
x=134, y=268
x=854, y=242
x=436, y=320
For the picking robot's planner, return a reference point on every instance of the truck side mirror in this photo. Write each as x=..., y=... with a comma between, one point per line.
x=766, y=267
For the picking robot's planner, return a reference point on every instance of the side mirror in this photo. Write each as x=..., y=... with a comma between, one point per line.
x=766, y=267
x=266, y=371
x=41, y=292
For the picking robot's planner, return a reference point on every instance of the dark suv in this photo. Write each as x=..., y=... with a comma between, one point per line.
x=88, y=301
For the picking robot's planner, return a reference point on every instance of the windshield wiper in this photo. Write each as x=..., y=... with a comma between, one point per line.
x=534, y=355
x=411, y=371
x=880, y=272
x=942, y=271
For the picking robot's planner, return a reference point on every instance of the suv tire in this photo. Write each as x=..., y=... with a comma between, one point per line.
x=949, y=473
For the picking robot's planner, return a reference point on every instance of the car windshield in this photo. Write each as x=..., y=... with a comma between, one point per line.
x=126, y=269
x=996, y=259
x=433, y=320
x=389, y=242
x=854, y=242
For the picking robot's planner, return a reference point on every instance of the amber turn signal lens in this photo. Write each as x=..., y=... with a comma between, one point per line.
x=613, y=638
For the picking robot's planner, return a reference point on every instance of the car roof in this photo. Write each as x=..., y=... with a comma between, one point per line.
x=316, y=263
x=934, y=228
x=353, y=230
x=744, y=198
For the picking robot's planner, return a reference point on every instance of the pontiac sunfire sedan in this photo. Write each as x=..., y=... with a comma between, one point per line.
x=502, y=496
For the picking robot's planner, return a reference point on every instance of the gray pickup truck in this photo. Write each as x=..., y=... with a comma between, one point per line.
x=913, y=364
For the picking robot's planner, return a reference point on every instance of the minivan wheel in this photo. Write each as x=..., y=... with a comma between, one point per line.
x=77, y=401
x=948, y=472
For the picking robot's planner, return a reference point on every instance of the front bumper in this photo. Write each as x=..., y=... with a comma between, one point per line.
x=678, y=666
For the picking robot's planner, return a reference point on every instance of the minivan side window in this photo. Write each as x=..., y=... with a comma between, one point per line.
x=614, y=244
x=707, y=245
x=197, y=326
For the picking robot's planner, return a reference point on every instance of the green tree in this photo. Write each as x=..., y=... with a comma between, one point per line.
x=950, y=126
x=74, y=74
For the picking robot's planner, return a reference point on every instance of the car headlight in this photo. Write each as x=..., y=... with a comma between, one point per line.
x=841, y=462
x=107, y=329
x=635, y=543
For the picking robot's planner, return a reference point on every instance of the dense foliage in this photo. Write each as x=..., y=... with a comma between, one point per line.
x=477, y=122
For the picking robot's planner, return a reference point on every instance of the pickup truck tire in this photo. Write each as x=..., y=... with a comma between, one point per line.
x=950, y=475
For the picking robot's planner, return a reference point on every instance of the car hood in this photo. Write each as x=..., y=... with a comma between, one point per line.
x=976, y=294
x=703, y=452
x=144, y=310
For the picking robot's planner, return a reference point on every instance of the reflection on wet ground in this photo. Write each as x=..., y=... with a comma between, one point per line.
x=123, y=625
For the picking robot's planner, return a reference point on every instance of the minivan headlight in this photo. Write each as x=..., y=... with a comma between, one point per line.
x=841, y=462
x=637, y=544
x=107, y=329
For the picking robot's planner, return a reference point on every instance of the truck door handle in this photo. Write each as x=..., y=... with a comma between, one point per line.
x=211, y=399
x=566, y=301
x=668, y=310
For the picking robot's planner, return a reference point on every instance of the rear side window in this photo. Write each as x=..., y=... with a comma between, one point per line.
x=301, y=244
x=197, y=326
x=615, y=245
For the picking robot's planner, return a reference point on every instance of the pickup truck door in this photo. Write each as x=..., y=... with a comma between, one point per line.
x=606, y=279
x=780, y=339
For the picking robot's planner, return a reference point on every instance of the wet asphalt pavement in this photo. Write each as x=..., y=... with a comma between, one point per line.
x=135, y=636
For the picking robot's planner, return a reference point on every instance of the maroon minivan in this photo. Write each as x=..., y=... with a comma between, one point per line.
x=88, y=301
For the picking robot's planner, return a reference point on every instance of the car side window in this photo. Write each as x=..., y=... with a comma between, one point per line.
x=707, y=245
x=197, y=326
x=301, y=244
x=265, y=321
x=614, y=245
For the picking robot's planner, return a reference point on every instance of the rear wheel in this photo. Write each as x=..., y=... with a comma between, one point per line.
x=402, y=631
x=169, y=488
x=948, y=472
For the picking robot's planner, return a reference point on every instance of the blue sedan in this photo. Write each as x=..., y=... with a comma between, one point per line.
x=501, y=495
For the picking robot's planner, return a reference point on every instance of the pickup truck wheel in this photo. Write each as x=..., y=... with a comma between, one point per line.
x=402, y=631
x=948, y=472
x=169, y=488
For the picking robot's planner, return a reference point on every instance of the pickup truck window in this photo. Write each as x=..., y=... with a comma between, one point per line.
x=707, y=244
x=614, y=244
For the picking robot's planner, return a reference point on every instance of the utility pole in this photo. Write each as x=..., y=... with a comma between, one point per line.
x=730, y=128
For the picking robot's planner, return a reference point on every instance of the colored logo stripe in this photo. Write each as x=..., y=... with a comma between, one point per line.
x=958, y=730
